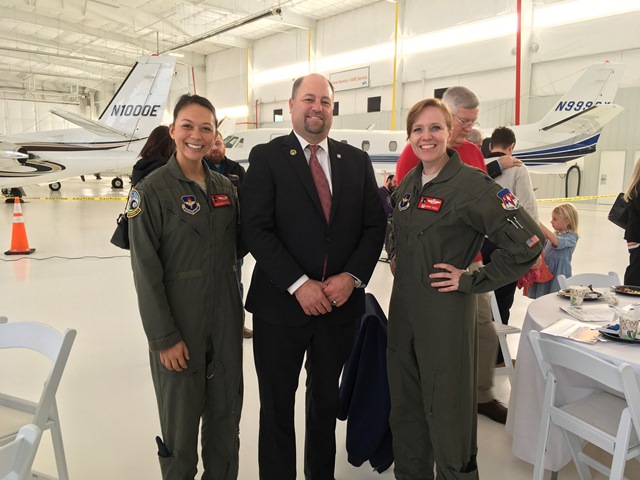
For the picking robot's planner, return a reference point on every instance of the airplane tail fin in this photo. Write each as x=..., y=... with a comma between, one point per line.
x=226, y=126
x=139, y=104
x=597, y=86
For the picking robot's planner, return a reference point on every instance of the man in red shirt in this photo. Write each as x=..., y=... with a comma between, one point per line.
x=465, y=118
x=463, y=104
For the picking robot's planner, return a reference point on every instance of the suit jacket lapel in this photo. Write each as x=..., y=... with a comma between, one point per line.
x=294, y=154
x=337, y=174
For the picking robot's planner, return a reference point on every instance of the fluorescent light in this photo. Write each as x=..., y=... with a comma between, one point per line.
x=174, y=54
x=464, y=34
x=232, y=112
x=276, y=74
x=580, y=10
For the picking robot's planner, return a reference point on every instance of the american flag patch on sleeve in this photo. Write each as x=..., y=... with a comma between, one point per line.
x=532, y=241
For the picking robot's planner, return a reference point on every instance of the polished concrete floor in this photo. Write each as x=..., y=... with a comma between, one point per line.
x=77, y=279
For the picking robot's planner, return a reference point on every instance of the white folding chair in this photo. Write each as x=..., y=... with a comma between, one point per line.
x=598, y=280
x=608, y=418
x=502, y=331
x=16, y=457
x=16, y=412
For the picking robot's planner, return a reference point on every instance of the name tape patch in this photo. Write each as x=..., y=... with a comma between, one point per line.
x=220, y=200
x=430, y=203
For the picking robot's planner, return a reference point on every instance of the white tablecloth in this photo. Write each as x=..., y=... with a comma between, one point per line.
x=527, y=392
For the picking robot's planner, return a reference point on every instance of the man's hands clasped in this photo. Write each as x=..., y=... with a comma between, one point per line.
x=318, y=298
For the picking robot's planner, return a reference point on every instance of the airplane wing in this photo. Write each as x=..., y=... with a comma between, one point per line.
x=586, y=121
x=90, y=125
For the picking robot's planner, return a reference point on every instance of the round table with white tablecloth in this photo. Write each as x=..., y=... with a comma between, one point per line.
x=527, y=392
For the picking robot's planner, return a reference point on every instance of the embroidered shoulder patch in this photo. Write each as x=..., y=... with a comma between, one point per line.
x=508, y=199
x=405, y=202
x=190, y=205
x=133, y=203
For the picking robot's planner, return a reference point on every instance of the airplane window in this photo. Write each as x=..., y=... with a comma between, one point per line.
x=344, y=141
x=365, y=145
x=240, y=143
x=230, y=141
x=393, y=146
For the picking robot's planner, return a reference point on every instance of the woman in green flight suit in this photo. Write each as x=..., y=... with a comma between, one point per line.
x=443, y=210
x=182, y=229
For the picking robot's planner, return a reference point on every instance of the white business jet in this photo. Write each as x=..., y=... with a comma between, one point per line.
x=571, y=129
x=110, y=144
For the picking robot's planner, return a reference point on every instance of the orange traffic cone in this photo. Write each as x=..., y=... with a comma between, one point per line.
x=19, y=242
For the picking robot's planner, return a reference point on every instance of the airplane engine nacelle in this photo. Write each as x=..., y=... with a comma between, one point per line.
x=9, y=151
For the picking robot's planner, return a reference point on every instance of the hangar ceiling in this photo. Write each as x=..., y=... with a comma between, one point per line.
x=63, y=47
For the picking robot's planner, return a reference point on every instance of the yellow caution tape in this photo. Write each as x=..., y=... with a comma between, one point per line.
x=576, y=199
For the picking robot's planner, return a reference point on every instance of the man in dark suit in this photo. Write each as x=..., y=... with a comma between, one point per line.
x=313, y=220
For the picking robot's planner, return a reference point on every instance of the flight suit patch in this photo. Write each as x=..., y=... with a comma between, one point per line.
x=532, y=241
x=509, y=200
x=220, y=200
x=190, y=205
x=430, y=203
x=405, y=202
x=133, y=203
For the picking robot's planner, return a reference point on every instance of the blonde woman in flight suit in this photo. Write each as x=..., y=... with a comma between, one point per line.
x=443, y=210
x=182, y=230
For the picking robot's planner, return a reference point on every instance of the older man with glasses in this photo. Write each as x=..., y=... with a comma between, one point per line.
x=464, y=107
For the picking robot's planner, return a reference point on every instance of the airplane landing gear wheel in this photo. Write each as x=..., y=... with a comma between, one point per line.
x=10, y=193
x=55, y=186
x=117, y=183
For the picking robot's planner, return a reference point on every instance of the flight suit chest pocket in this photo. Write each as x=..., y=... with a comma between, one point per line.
x=425, y=219
x=518, y=240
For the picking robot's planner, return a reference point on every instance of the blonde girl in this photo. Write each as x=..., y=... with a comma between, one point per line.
x=559, y=247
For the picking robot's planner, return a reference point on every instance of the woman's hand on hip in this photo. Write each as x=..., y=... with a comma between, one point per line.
x=450, y=278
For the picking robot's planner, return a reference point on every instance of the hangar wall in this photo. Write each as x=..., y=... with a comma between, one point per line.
x=558, y=55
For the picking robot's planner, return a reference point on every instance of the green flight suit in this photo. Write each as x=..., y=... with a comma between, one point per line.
x=183, y=256
x=432, y=339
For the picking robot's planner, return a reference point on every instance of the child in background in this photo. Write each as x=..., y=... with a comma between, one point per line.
x=559, y=247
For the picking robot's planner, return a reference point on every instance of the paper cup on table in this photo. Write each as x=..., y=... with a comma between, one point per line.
x=576, y=295
x=628, y=327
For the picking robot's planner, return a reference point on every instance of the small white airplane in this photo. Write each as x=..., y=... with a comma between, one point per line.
x=110, y=144
x=570, y=130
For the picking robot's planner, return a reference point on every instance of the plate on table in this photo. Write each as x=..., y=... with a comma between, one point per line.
x=627, y=290
x=588, y=296
x=616, y=337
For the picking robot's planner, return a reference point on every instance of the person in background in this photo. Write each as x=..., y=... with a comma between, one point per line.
x=475, y=137
x=464, y=106
x=312, y=219
x=218, y=162
x=632, y=232
x=518, y=181
x=432, y=342
x=559, y=248
x=183, y=233
x=385, y=196
x=155, y=153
